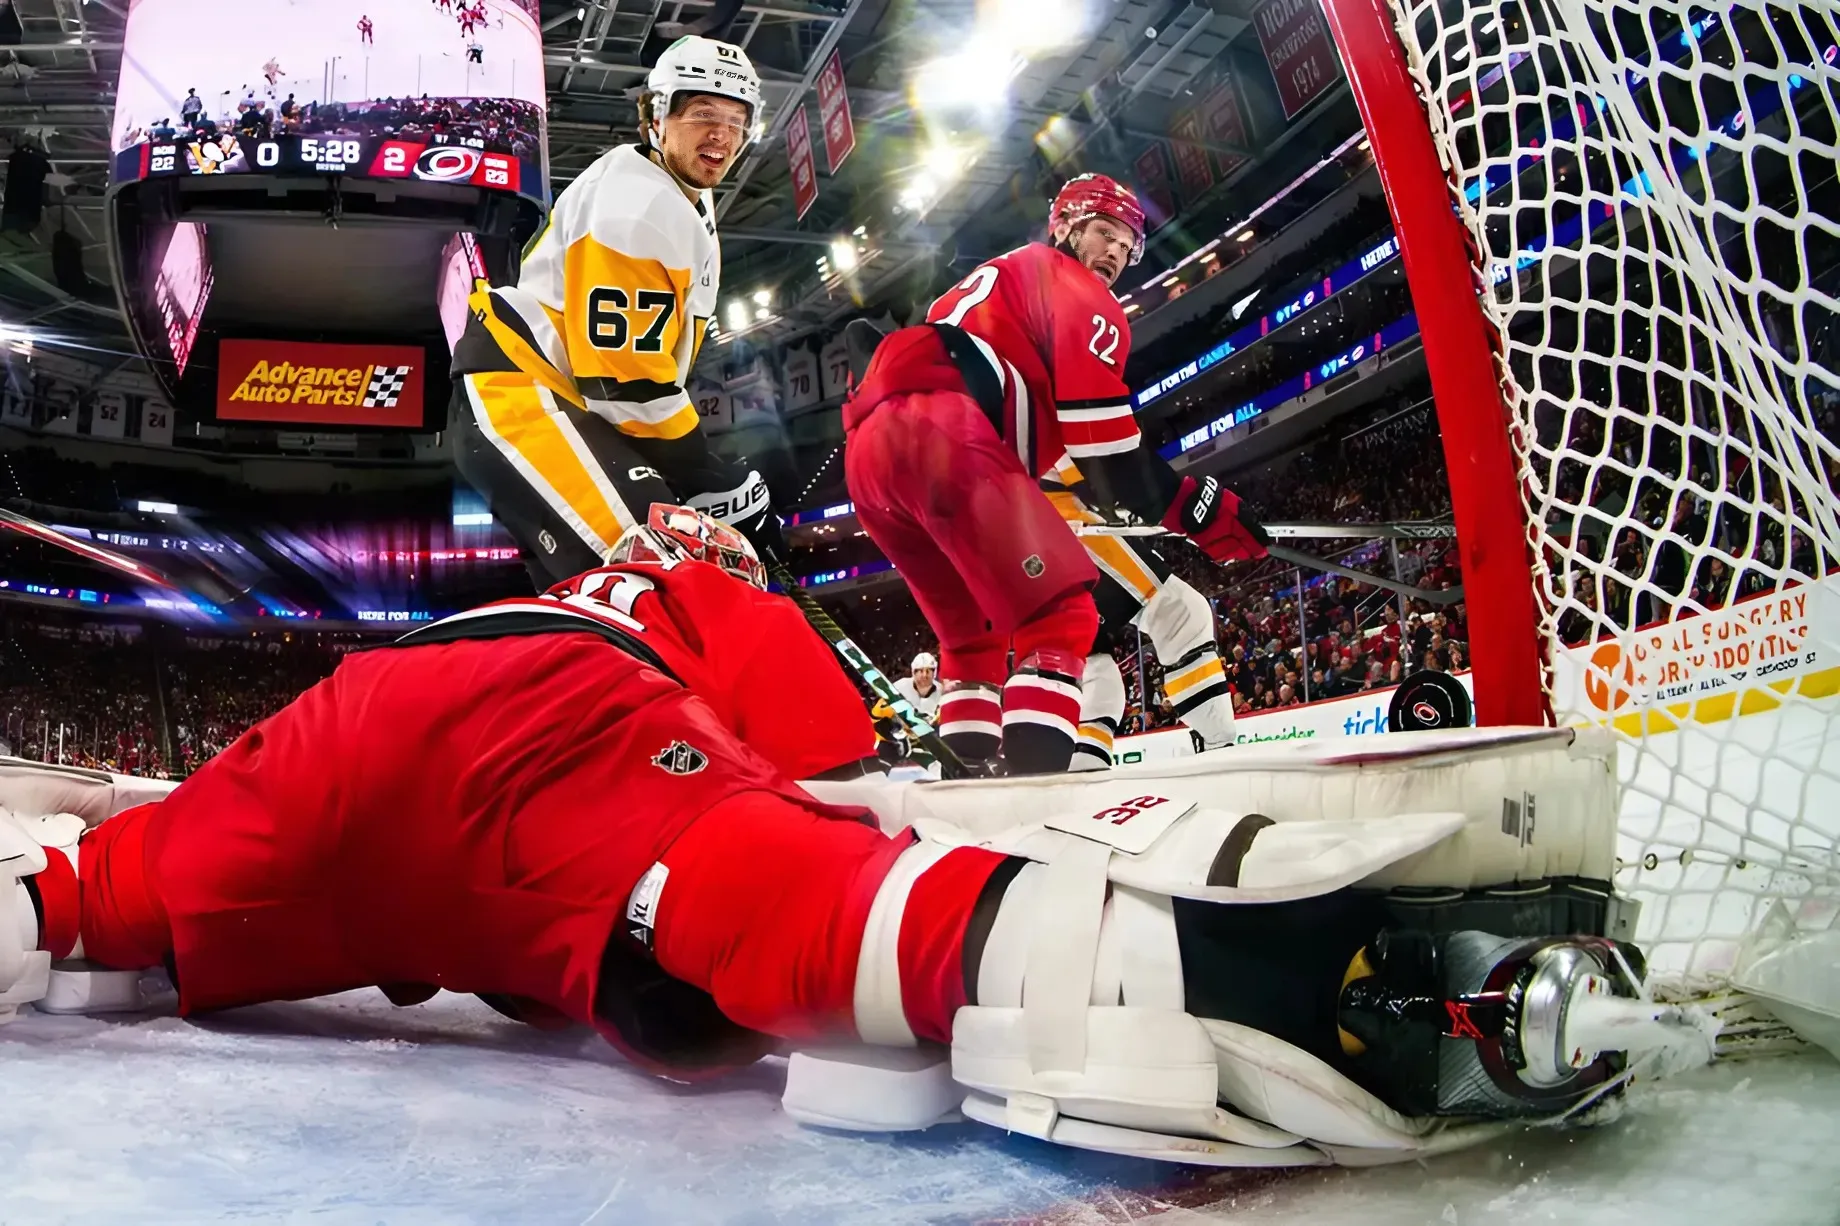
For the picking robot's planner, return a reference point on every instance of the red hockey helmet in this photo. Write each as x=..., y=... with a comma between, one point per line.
x=685, y=534
x=1088, y=196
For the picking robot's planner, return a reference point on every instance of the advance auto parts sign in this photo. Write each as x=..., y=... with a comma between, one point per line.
x=322, y=385
x=1698, y=667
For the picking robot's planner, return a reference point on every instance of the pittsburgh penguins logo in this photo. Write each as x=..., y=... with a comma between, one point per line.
x=680, y=758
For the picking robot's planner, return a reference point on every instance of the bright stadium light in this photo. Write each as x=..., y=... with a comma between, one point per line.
x=737, y=315
x=843, y=254
x=974, y=79
x=1034, y=26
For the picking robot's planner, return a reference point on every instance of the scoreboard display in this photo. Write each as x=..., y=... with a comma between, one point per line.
x=356, y=156
x=449, y=92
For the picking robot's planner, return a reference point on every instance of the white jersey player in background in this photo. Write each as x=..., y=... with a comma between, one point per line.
x=570, y=411
x=922, y=687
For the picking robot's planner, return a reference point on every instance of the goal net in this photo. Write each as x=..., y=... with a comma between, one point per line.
x=1621, y=227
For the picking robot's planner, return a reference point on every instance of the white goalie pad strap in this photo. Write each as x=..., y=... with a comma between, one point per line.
x=1006, y=948
x=880, y=1015
x=30, y=789
x=870, y=1089
x=1138, y=1143
x=1108, y=962
x=1146, y=926
x=1063, y=951
x=1270, y=1080
x=1151, y=1069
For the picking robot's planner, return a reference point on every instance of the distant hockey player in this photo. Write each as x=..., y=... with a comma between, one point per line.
x=580, y=806
x=921, y=686
x=365, y=28
x=569, y=412
x=1019, y=372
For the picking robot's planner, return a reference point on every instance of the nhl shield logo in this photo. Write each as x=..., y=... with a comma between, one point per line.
x=680, y=758
x=1033, y=566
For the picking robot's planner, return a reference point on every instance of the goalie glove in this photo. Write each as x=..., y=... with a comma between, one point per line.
x=1209, y=514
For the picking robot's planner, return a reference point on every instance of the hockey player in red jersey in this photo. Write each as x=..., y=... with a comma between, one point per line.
x=1019, y=369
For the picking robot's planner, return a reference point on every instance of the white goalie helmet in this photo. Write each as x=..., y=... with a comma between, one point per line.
x=697, y=65
x=925, y=660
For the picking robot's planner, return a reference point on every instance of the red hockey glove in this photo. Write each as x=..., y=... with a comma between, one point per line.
x=1208, y=514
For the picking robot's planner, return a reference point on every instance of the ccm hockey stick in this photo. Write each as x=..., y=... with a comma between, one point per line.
x=859, y=663
x=1296, y=557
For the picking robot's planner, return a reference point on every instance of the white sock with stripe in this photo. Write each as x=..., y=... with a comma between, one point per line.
x=1101, y=711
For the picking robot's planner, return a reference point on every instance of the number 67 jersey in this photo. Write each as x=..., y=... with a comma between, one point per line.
x=1057, y=342
x=613, y=299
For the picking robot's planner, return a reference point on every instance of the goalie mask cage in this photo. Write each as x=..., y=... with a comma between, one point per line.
x=1621, y=228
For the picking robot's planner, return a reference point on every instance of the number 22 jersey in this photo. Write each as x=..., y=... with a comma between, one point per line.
x=1059, y=341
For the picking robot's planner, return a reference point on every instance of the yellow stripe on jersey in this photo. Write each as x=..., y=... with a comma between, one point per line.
x=543, y=445
x=625, y=316
x=676, y=425
x=1119, y=561
x=1199, y=673
x=1097, y=734
x=519, y=352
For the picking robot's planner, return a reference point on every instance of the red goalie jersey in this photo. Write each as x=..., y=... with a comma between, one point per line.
x=747, y=653
x=1049, y=344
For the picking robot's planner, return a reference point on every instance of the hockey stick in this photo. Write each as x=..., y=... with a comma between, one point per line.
x=923, y=732
x=1297, y=557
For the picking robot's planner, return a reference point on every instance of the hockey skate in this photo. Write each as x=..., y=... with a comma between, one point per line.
x=1472, y=1024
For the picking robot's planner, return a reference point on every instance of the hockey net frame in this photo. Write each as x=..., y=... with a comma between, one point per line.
x=1621, y=226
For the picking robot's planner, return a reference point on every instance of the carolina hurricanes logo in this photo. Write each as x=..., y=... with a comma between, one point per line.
x=680, y=758
x=1426, y=712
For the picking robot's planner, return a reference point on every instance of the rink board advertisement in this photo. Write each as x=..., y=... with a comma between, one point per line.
x=321, y=385
x=450, y=91
x=1362, y=714
x=1763, y=640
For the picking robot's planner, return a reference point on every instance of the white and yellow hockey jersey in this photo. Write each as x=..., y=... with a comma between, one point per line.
x=615, y=295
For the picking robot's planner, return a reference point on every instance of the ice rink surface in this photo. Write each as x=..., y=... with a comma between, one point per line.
x=348, y=1110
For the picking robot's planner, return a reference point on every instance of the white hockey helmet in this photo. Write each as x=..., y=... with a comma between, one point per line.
x=924, y=660
x=697, y=65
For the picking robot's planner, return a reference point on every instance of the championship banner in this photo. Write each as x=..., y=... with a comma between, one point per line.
x=1192, y=166
x=1223, y=124
x=834, y=111
x=302, y=383
x=156, y=423
x=804, y=170
x=1295, y=36
x=1152, y=181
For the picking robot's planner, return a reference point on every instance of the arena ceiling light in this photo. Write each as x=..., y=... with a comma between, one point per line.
x=843, y=254
x=972, y=80
x=737, y=315
x=1032, y=27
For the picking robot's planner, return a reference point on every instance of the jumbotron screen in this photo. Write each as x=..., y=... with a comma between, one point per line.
x=448, y=91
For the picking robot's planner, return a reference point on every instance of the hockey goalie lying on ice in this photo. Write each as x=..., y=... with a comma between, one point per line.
x=582, y=808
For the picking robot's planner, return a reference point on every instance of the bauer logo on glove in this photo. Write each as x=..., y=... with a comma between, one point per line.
x=1212, y=516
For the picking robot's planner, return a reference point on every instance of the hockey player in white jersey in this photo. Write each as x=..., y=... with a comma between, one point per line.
x=921, y=686
x=570, y=411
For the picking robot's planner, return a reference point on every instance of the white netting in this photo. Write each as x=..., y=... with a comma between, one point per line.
x=1651, y=195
